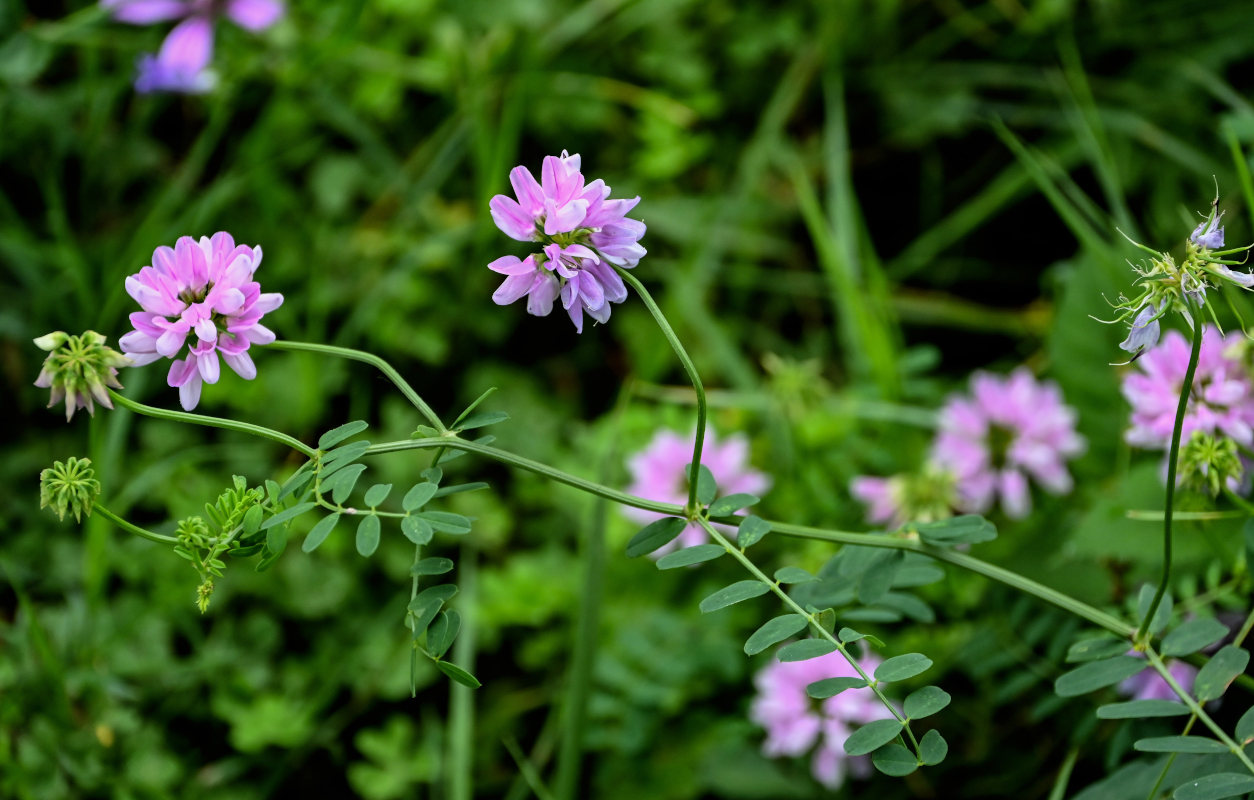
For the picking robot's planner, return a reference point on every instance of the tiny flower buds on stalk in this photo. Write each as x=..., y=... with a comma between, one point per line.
x=69, y=486
x=79, y=368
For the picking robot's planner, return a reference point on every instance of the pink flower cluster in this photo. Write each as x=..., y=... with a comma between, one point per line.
x=583, y=235
x=1221, y=403
x=203, y=290
x=1149, y=685
x=660, y=472
x=182, y=63
x=795, y=723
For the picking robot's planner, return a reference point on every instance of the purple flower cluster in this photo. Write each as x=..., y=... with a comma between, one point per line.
x=203, y=291
x=583, y=235
x=660, y=472
x=182, y=63
x=795, y=723
x=1221, y=402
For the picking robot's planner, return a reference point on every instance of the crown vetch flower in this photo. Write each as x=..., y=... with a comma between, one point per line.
x=1006, y=431
x=181, y=65
x=1143, y=332
x=927, y=496
x=78, y=369
x=203, y=291
x=794, y=722
x=660, y=472
x=69, y=485
x=1220, y=401
x=582, y=233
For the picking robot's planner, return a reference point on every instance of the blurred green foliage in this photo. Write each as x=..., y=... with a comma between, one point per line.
x=850, y=206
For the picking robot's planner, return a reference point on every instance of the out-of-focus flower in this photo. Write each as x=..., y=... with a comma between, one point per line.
x=660, y=472
x=69, y=485
x=204, y=290
x=1220, y=402
x=582, y=233
x=795, y=723
x=1006, y=431
x=927, y=496
x=1149, y=685
x=181, y=65
x=78, y=369
x=1209, y=464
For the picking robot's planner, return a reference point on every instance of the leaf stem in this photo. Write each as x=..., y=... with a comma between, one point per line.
x=689, y=368
x=142, y=533
x=1157, y=662
x=1142, y=633
x=213, y=422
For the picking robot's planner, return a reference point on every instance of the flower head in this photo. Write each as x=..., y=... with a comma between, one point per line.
x=795, y=723
x=927, y=496
x=203, y=291
x=660, y=472
x=1004, y=432
x=69, y=485
x=181, y=65
x=1220, y=402
x=1210, y=464
x=78, y=369
x=583, y=236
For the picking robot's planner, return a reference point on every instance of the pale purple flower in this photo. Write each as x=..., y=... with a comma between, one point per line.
x=181, y=65
x=1007, y=430
x=203, y=290
x=1144, y=331
x=660, y=472
x=882, y=497
x=1149, y=685
x=1220, y=402
x=795, y=722
x=1209, y=233
x=582, y=233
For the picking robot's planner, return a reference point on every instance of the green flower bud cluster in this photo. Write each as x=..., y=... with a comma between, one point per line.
x=69, y=486
x=1209, y=464
x=78, y=369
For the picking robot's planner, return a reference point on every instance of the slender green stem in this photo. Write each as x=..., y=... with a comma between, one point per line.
x=774, y=586
x=461, y=725
x=1197, y=709
x=689, y=368
x=135, y=529
x=1245, y=630
x=1171, y=759
x=1173, y=456
x=213, y=422
x=374, y=361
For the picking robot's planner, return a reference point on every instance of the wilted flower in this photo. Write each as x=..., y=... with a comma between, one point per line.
x=181, y=65
x=582, y=233
x=795, y=722
x=1220, y=401
x=1007, y=431
x=924, y=497
x=1209, y=234
x=660, y=472
x=1143, y=333
x=69, y=485
x=79, y=368
x=205, y=289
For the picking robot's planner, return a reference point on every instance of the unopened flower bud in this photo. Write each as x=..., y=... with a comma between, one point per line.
x=78, y=369
x=69, y=486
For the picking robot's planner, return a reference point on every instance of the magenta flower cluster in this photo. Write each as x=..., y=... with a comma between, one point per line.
x=199, y=299
x=660, y=472
x=1220, y=404
x=583, y=236
x=795, y=723
x=182, y=63
x=992, y=444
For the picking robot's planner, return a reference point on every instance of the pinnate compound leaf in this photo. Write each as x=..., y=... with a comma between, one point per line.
x=773, y=632
x=933, y=748
x=432, y=566
x=872, y=736
x=830, y=687
x=418, y=496
x=894, y=760
x=1215, y=787
x=655, y=535
x=336, y=435
x=1179, y=744
x=1097, y=675
x=1245, y=727
x=417, y=530
x=1193, y=636
x=751, y=531
x=898, y=668
x=793, y=575
x=1217, y=674
x=368, y=535
x=458, y=674
x=445, y=521
x=926, y=701
x=806, y=649
x=964, y=529
x=1142, y=709
x=732, y=503
x=1094, y=649
x=730, y=595
x=342, y=482
x=690, y=555
x=320, y=533
x=287, y=515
